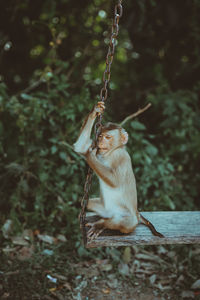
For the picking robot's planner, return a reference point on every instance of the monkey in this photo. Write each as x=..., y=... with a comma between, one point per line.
x=117, y=204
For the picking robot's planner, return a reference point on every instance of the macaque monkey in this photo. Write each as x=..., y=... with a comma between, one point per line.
x=117, y=205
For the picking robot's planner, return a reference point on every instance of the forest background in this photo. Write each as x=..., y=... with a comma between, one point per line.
x=52, y=58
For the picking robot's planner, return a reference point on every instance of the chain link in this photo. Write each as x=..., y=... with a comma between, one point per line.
x=84, y=203
x=103, y=96
x=111, y=49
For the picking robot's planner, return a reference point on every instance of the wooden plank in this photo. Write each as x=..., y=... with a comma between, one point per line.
x=178, y=227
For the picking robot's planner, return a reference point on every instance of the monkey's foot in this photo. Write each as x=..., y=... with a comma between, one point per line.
x=94, y=231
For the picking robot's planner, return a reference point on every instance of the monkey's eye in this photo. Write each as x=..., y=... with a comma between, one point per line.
x=108, y=137
x=100, y=135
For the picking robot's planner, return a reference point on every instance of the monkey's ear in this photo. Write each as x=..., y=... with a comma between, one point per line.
x=124, y=137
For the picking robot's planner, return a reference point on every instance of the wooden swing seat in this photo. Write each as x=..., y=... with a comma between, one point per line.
x=178, y=227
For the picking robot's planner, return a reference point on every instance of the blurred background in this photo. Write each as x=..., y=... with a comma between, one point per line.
x=52, y=58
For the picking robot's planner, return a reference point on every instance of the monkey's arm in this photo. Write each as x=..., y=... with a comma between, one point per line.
x=84, y=141
x=104, y=172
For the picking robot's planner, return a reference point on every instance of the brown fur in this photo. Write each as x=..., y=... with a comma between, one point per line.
x=98, y=169
x=110, y=126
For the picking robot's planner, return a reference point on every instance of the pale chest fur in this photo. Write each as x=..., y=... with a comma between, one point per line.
x=124, y=196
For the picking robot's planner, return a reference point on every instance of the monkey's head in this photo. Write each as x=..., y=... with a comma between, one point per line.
x=112, y=136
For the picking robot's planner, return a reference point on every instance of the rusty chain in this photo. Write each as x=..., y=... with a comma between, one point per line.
x=109, y=59
x=103, y=97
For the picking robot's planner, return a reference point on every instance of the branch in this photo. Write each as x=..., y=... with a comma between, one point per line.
x=71, y=147
x=140, y=111
x=37, y=83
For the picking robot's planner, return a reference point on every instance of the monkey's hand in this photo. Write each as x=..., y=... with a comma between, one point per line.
x=104, y=172
x=93, y=152
x=98, y=109
x=92, y=155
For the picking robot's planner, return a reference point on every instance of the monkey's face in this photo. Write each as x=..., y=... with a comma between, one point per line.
x=109, y=140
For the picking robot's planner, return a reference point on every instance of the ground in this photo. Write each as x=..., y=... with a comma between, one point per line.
x=43, y=268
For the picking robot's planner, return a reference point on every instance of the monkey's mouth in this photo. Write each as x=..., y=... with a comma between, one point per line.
x=102, y=148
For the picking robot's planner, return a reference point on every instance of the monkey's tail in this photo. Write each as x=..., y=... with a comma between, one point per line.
x=151, y=227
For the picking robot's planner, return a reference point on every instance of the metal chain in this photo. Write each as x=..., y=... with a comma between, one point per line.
x=103, y=96
x=118, y=10
x=84, y=203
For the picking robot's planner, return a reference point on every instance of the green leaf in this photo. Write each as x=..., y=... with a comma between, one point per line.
x=54, y=149
x=26, y=96
x=169, y=202
x=43, y=176
x=63, y=156
x=151, y=150
x=137, y=125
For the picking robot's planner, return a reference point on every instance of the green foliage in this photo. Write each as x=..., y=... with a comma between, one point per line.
x=41, y=176
x=165, y=162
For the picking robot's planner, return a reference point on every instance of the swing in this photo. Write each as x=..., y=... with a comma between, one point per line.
x=177, y=227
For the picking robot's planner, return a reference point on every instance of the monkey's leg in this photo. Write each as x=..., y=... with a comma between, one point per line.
x=124, y=222
x=96, y=229
x=96, y=205
x=144, y=221
x=94, y=202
